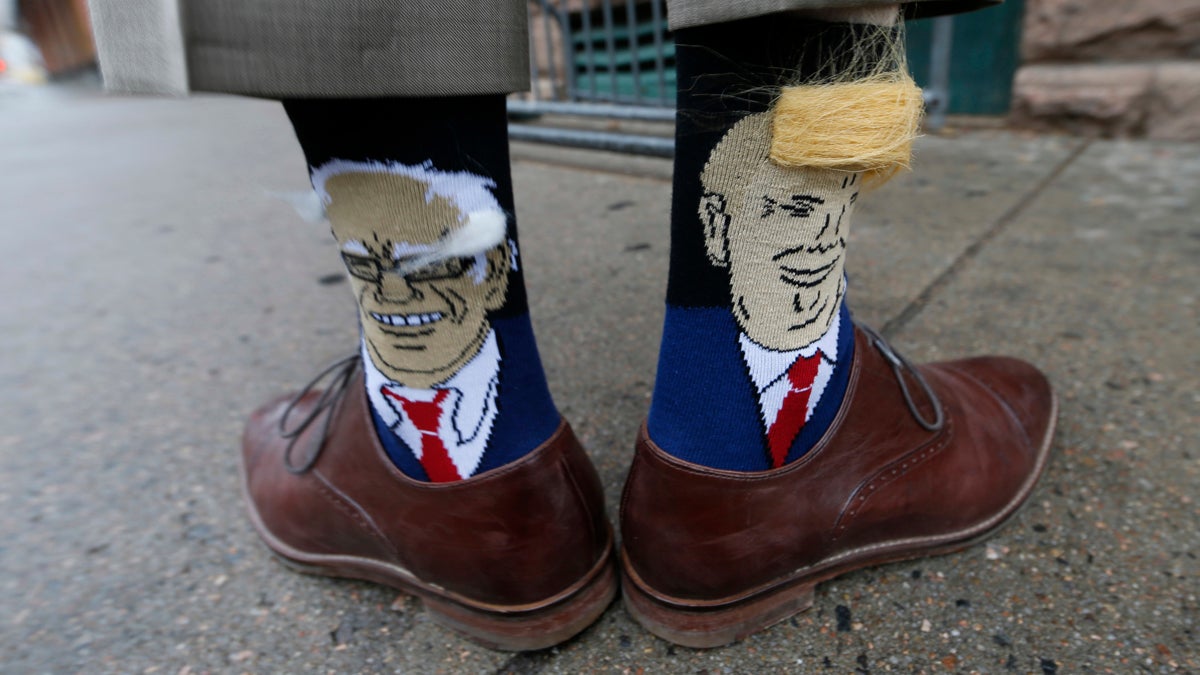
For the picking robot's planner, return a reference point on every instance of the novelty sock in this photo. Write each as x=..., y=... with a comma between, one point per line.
x=781, y=122
x=418, y=193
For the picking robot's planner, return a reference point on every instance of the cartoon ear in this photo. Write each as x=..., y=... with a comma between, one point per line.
x=500, y=263
x=715, y=218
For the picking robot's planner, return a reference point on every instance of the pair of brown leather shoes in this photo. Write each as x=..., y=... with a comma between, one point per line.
x=919, y=461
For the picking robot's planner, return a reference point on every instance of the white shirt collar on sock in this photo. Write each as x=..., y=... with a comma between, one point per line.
x=767, y=369
x=468, y=413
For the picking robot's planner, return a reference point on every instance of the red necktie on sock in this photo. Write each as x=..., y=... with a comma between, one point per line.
x=425, y=416
x=791, y=416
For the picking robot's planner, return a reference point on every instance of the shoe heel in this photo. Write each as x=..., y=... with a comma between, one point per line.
x=703, y=628
x=506, y=629
x=534, y=629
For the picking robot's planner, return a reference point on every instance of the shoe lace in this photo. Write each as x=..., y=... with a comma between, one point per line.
x=899, y=365
x=343, y=372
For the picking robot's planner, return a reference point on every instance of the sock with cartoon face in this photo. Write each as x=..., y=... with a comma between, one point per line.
x=781, y=122
x=418, y=193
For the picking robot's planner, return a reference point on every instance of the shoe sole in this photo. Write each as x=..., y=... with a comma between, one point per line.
x=721, y=622
x=503, y=627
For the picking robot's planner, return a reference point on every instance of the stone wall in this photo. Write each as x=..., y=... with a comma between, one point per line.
x=1111, y=68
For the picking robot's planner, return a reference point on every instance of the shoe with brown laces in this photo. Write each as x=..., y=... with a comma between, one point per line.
x=517, y=558
x=919, y=461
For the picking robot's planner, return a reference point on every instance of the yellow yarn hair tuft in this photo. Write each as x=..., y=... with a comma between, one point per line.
x=864, y=125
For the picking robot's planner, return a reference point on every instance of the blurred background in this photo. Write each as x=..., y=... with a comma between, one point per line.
x=1111, y=68
x=44, y=43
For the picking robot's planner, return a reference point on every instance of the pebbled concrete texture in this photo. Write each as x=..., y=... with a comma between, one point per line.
x=155, y=294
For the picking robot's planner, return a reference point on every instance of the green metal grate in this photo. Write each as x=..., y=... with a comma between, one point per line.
x=631, y=72
x=984, y=56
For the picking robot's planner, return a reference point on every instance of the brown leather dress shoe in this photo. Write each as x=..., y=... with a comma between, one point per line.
x=519, y=557
x=918, y=462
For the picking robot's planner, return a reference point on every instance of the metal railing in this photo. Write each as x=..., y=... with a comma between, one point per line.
x=615, y=59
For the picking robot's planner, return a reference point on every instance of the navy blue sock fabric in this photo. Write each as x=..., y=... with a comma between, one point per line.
x=456, y=149
x=706, y=407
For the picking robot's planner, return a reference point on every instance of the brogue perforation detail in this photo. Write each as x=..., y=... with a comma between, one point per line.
x=889, y=475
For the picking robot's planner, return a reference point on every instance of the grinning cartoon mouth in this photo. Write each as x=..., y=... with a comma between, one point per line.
x=805, y=277
x=407, y=319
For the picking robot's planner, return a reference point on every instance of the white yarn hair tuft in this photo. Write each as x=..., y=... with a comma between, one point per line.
x=307, y=203
x=481, y=232
x=484, y=223
x=468, y=191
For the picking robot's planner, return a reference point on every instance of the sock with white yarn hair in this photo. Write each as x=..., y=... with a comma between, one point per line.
x=418, y=196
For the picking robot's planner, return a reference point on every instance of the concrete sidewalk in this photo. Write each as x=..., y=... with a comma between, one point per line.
x=154, y=294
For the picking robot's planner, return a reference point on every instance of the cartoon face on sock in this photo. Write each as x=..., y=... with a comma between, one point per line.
x=427, y=257
x=781, y=233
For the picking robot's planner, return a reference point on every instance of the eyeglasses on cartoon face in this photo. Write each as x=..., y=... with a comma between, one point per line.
x=371, y=269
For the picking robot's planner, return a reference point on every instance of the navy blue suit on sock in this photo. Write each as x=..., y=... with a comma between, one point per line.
x=526, y=414
x=705, y=407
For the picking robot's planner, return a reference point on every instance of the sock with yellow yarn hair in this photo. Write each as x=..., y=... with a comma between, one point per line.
x=782, y=124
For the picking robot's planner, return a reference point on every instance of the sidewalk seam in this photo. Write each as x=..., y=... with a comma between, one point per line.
x=972, y=251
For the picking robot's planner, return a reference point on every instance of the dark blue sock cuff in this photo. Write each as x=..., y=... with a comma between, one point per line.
x=705, y=407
